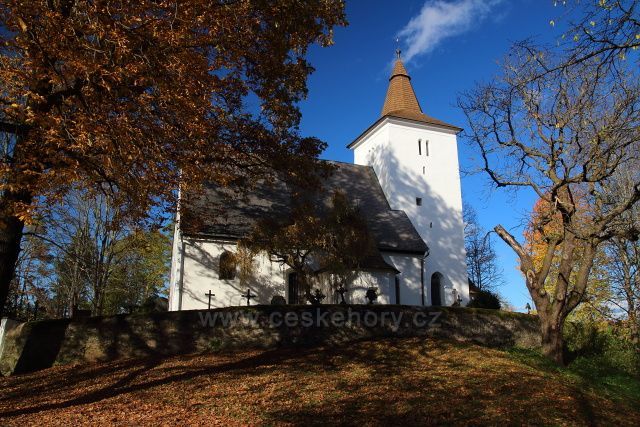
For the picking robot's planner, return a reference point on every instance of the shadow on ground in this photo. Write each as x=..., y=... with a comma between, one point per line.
x=384, y=382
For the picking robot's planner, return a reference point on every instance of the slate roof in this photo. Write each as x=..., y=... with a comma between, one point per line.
x=216, y=212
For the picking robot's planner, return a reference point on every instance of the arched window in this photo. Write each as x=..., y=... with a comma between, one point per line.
x=227, y=267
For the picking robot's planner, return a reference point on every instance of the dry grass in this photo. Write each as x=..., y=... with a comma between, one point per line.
x=408, y=381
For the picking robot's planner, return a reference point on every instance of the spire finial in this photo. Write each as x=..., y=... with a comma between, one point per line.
x=398, y=51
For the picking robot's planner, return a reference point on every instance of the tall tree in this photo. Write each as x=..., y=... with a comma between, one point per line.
x=622, y=268
x=482, y=265
x=141, y=271
x=137, y=97
x=563, y=123
x=335, y=240
x=545, y=224
x=623, y=271
x=86, y=231
x=34, y=272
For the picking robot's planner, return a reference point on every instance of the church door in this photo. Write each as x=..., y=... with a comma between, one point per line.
x=294, y=292
x=435, y=289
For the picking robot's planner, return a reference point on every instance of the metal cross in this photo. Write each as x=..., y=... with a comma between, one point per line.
x=209, y=294
x=248, y=296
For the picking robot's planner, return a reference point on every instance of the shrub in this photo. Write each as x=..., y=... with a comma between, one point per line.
x=485, y=299
x=602, y=345
x=278, y=300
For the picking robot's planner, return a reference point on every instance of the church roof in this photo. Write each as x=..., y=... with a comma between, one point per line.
x=400, y=94
x=401, y=102
x=217, y=212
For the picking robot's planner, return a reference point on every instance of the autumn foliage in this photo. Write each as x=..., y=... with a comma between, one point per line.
x=545, y=225
x=135, y=97
x=312, y=238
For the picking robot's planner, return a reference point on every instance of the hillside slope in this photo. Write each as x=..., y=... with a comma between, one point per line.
x=381, y=382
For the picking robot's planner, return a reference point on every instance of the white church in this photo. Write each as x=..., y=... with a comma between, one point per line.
x=405, y=178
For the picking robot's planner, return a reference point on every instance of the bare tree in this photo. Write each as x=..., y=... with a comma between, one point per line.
x=622, y=266
x=624, y=275
x=482, y=266
x=562, y=128
x=84, y=232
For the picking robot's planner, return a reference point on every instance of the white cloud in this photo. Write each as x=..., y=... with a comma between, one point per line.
x=439, y=20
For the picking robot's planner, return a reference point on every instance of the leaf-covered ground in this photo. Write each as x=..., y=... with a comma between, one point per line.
x=386, y=382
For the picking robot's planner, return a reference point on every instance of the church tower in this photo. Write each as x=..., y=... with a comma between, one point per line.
x=416, y=160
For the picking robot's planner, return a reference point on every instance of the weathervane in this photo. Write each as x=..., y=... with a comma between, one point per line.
x=398, y=51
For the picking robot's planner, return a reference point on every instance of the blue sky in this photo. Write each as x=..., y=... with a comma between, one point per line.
x=450, y=45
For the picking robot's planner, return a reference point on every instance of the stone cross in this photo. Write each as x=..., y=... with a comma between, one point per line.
x=209, y=294
x=248, y=296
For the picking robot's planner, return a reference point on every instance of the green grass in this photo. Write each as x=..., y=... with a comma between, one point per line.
x=591, y=373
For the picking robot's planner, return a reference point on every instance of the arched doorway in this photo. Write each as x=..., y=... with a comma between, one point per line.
x=436, y=289
x=293, y=287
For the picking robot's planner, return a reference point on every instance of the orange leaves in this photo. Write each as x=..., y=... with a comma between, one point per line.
x=398, y=382
x=132, y=93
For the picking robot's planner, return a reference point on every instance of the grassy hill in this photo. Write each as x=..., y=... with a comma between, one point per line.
x=393, y=381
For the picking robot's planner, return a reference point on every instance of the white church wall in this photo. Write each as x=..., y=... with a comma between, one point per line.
x=195, y=272
x=410, y=277
x=406, y=174
x=383, y=281
x=200, y=274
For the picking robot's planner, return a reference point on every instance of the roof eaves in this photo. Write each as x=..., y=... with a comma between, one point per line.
x=355, y=141
x=430, y=123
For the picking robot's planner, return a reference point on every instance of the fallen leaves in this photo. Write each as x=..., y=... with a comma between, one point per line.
x=407, y=381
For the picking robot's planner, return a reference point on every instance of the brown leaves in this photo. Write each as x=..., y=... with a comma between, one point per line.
x=391, y=382
x=137, y=96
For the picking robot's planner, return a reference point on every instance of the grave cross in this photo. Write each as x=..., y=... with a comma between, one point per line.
x=209, y=294
x=248, y=296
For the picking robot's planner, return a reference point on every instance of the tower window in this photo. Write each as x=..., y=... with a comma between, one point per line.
x=426, y=147
x=419, y=201
x=419, y=147
x=423, y=170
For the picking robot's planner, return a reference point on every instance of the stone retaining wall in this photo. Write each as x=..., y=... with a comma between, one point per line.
x=38, y=345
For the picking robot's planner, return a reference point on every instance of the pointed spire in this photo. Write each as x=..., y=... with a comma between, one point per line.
x=400, y=94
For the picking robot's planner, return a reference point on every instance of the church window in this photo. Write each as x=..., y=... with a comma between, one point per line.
x=227, y=266
x=423, y=170
x=426, y=147
x=419, y=147
x=419, y=201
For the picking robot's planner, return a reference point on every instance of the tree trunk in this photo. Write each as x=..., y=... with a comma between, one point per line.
x=11, y=229
x=635, y=329
x=552, y=340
